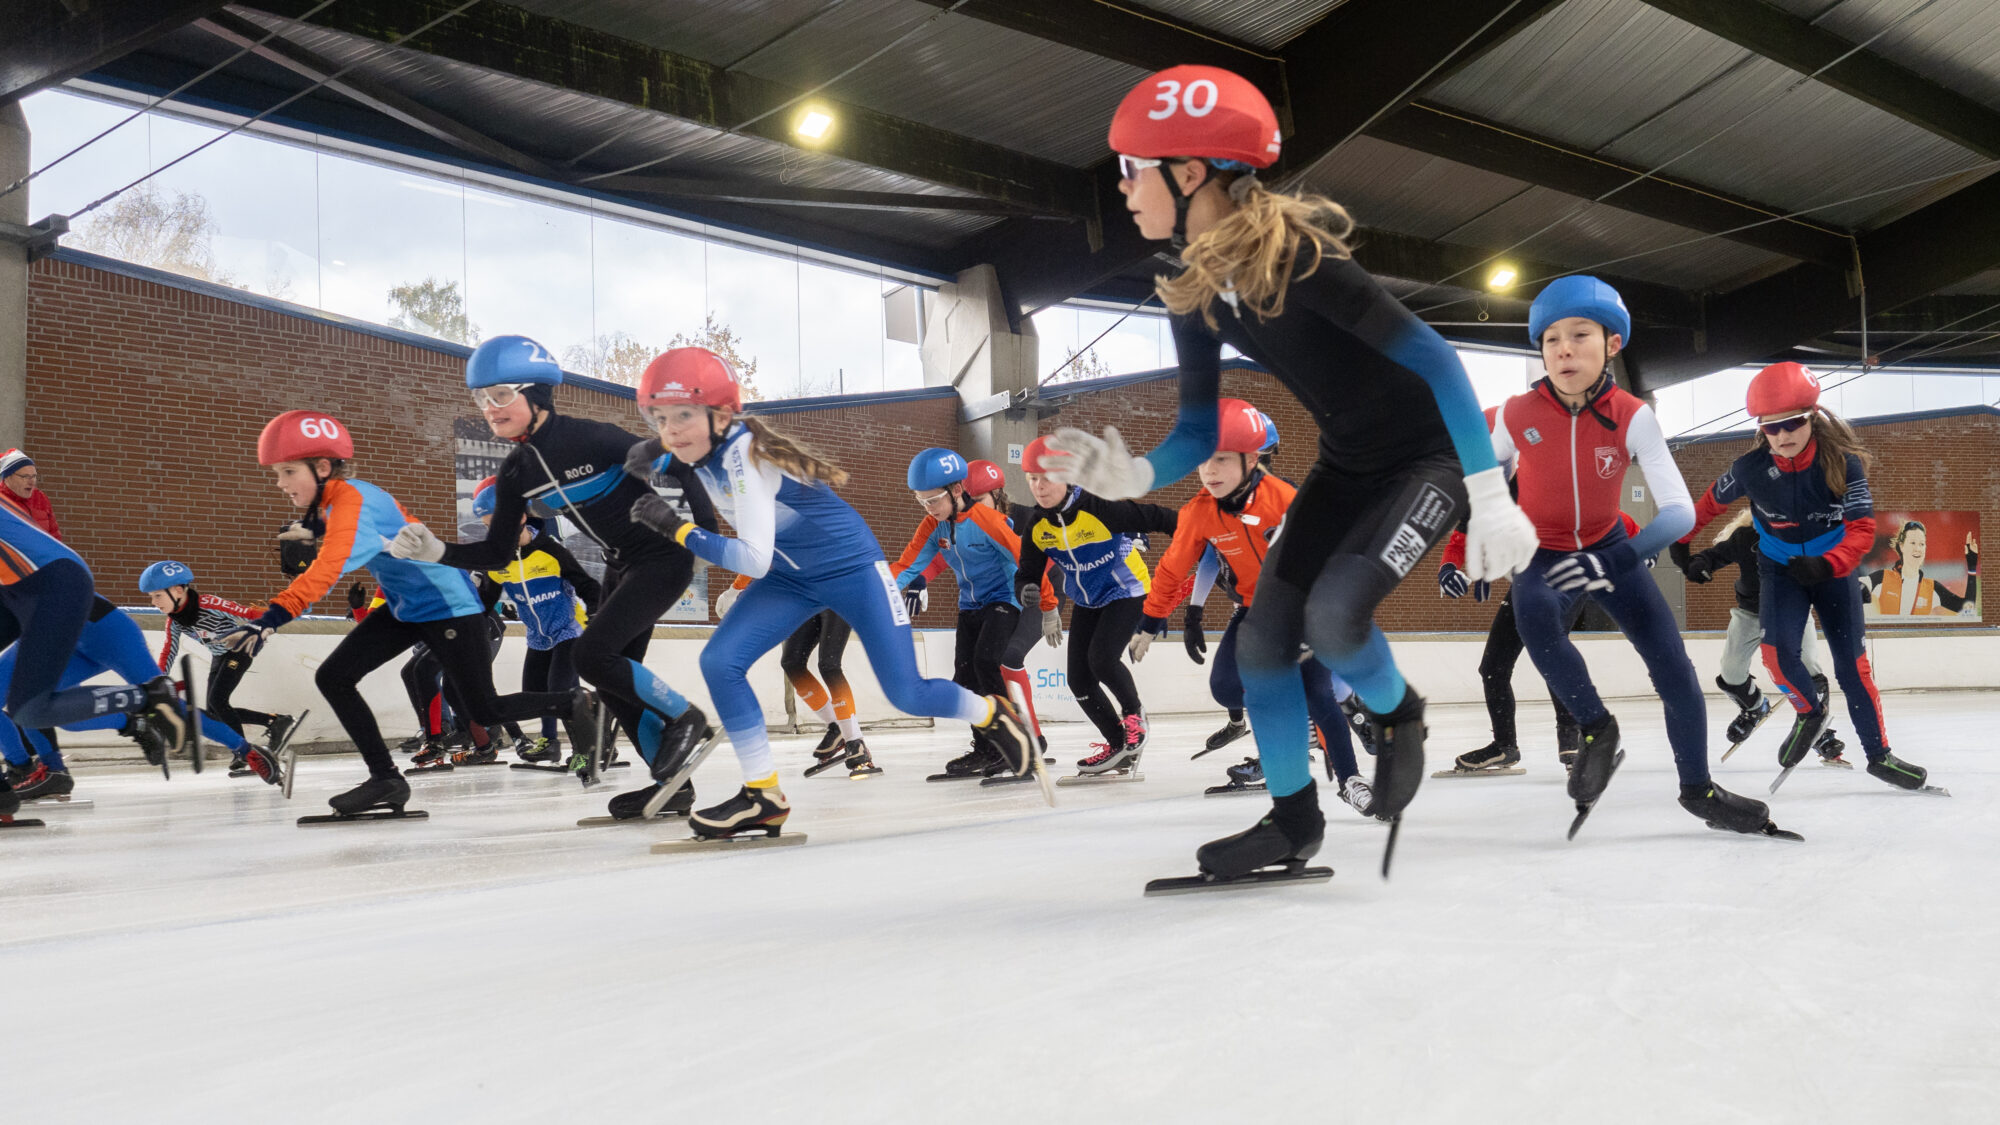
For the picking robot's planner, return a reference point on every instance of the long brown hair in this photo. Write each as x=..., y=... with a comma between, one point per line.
x=1257, y=251
x=1836, y=440
x=798, y=460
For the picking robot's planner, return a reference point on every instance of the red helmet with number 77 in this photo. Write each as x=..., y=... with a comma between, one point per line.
x=1199, y=111
x=303, y=435
x=1782, y=390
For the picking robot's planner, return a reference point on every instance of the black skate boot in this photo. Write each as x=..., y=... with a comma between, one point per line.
x=264, y=764
x=1230, y=732
x=1569, y=739
x=582, y=724
x=831, y=752
x=9, y=805
x=1356, y=793
x=678, y=743
x=830, y=742
x=16, y=774
x=239, y=762
x=750, y=810
x=541, y=750
x=436, y=755
x=1399, y=754
x=632, y=806
x=1286, y=837
x=45, y=782
x=1724, y=810
x=279, y=730
x=168, y=719
x=1357, y=721
x=1799, y=742
x=1596, y=760
x=971, y=765
x=1490, y=758
x=860, y=763
x=1830, y=748
x=1903, y=775
x=1752, y=710
x=411, y=744
x=389, y=793
x=1006, y=734
x=479, y=756
x=1136, y=731
x=1107, y=758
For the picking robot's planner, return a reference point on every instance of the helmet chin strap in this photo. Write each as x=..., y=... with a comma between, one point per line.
x=1181, y=201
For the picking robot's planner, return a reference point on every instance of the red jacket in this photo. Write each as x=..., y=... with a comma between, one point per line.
x=38, y=509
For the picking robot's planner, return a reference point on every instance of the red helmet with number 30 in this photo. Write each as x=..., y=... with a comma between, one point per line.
x=303, y=435
x=1243, y=428
x=1782, y=389
x=1201, y=111
x=689, y=376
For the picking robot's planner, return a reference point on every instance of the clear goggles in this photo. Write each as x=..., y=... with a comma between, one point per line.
x=925, y=500
x=1129, y=167
x=499, y=396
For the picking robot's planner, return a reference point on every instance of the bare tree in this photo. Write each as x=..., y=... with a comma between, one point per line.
x=433, y=308
x=722, y=340
x=1081, y=365
x=145, y=226
x=616, y=358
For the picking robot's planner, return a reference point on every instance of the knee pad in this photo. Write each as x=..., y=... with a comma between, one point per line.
x=1337, y=627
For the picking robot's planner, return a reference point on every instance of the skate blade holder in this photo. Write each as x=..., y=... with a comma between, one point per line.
x=379, y=812
x=1257, y=790
x=1510, y=771
x=743, y=842
x=7, y=822
x=1105, y=778
x=1294, y=872
x=616, y=821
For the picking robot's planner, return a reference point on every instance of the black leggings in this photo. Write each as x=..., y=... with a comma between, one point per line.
x=462, y=650
x=1097, y=640
x=224, y=674
x=1496, y=671
x=611, y=653
x=984, y=636
x=423, y=683
x=550, y=669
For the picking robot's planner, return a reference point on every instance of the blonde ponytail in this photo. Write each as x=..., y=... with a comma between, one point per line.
x=1256, y=251
x=793, y=458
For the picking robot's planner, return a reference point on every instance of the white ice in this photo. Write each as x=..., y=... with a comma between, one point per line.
x=937, y=952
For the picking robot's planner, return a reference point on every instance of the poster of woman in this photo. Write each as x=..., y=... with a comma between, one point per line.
x=1924, y=569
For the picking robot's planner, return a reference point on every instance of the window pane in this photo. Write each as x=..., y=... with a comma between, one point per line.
x=755, y=297
x=384, y=229
x=527, y=269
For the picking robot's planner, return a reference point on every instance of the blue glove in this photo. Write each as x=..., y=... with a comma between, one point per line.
x=1451, y=581
x=1591, y=571
x=1481, y=590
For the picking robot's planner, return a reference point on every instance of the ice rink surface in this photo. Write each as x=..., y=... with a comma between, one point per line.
x=182, y=952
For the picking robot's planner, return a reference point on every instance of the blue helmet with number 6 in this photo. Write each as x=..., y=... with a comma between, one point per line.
x=161, y=575
x=935, y=468
x=511, y=359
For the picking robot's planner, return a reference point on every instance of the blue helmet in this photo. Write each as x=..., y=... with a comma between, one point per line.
x=935, y=468
x=161, y=575
x=483, y=502
x=1270, y=433
x=1579, y=295
x=511, y=359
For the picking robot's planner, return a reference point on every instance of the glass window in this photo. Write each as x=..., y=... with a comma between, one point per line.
x=841, y=331
x=755, y=298
x=1940, y=392
x=649, y=285
x=528, y=270
x=59, y=122
x=260, y=198
x=385, y=229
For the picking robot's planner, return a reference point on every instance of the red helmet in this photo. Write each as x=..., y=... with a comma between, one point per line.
x=1201, y=111
x=303, y=435
x=693, y=376
x=1242, y=428
x=1031, y=457
x=482, y=486
x=1782, y=389
x=982, y=477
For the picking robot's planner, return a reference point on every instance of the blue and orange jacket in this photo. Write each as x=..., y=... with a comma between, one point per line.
x=981, y=549
x=25, y=547
x=1796, y=513
x=354, y=525
x=1090, y=540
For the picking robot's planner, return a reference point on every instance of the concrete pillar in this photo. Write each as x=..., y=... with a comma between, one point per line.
x=14, y=157
x=969, y=345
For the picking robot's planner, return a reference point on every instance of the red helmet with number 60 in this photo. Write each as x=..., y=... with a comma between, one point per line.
x=1201, y=111
x=689, y=377
x=303, y=435
x=982, y=477
x=1782, y=389
x=1243, y=428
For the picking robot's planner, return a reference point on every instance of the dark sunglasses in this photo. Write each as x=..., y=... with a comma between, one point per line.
x=1785, y=425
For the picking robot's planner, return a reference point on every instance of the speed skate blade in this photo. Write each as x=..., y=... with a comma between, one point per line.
x=7, y=822
x=1512, y=771
x=1190, y=884
x=728, y=843
x=1101, y=778
x=357, y=818
x=1000, y=780
x=1257, y=790
x=1389, y=846
x=1780, y=779
x=193, y=702
x=673, y=785
x=611, y=821
x=288, y=755
x=1769, y=832
x=59, y=804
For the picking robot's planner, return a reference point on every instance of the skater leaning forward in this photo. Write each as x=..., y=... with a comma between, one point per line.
x=203, y=618
x=804, y=550
x=1402, y=446
x=1807, y=481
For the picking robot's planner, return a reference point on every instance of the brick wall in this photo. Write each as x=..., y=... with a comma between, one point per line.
x=145, y=400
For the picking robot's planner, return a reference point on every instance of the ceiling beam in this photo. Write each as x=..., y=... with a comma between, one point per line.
x=45, y=43
x=512, y=41
x=1508, y=151
x=793, y=195
x=1790, y=41
x=1913, y=257
x=239, y=32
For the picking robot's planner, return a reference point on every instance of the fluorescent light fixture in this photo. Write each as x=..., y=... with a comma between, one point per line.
x=1502, y=277
x=813, y=124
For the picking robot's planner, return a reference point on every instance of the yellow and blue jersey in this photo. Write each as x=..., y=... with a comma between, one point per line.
x=1091, y=541
x=550, y=591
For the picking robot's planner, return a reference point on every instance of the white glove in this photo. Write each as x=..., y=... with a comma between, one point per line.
x=1052, y=627
x=1500, y=539
x=1584, y=571
x=415, y=541
x=1141, y=641
x=296, y=530
x=724, y=601
x=1101, y=466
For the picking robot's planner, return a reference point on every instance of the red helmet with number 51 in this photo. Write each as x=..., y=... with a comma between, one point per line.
x=303, y=435
x=1200, y=111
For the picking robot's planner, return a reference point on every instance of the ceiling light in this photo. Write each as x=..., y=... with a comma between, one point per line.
x=813, y=124
x=1502, y=277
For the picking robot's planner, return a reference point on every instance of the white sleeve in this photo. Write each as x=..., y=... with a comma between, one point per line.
x=753, y=486
x=1646, y=443
x=1503, y=442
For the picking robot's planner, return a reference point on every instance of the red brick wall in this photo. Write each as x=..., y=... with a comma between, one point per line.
x=145, y=401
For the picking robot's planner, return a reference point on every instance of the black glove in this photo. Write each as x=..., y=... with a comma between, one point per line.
x=653, y=511
x=1682, y=554
x=1192, y=637
x=639, y=459
x=1809, y=570
x=1699, y=570
x=914, y=599
x=357, y=596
